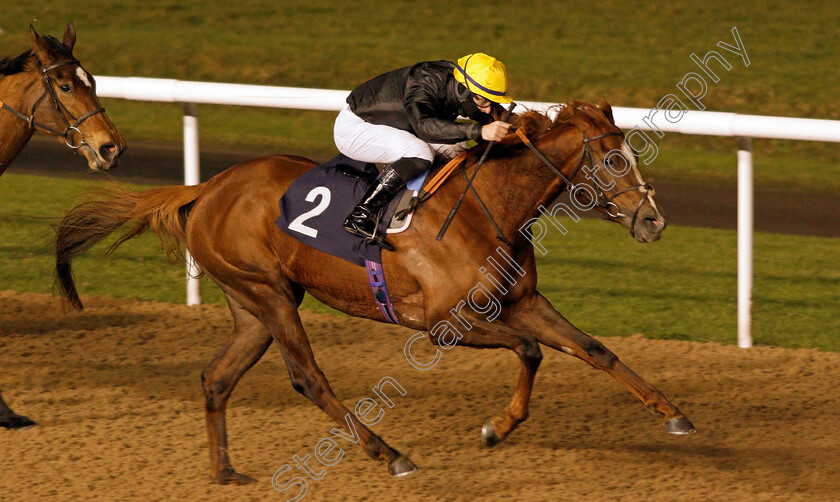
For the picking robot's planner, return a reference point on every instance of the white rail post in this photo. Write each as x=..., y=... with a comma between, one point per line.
x=745, y=242
x=191, y=177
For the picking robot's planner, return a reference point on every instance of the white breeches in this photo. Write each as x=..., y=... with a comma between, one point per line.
x=383, y=144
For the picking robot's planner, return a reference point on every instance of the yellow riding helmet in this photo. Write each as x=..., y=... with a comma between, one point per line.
x=483, y=75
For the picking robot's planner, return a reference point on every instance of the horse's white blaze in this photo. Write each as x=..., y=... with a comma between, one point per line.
x=634, y=166
x=653, y=205
x=83, y=76
x=632, y=159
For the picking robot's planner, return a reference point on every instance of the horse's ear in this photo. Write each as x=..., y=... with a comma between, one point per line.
x=69, y=36
x=607, y=109
x=40, y=46
x=570, y=109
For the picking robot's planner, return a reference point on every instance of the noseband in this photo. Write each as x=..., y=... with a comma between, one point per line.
x=70, y=131
x=602, y=198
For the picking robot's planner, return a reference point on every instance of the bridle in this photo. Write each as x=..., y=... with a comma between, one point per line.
x=71, y=131
x=603, y=199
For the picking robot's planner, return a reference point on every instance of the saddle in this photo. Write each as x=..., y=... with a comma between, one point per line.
x=315, y=205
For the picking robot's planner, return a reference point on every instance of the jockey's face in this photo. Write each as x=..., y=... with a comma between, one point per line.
x=483, y=104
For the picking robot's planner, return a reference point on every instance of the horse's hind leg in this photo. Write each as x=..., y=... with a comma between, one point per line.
x=486, y=335
x=11, y=420
x=537, y=316
x=249, y=343
x=279, y=313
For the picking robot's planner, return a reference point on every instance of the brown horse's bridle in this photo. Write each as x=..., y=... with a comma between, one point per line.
x=602, y=198
x=71, y=131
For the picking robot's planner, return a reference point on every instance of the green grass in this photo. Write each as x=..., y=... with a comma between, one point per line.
x=632, y=53
x=685, y=286
x=682, y=287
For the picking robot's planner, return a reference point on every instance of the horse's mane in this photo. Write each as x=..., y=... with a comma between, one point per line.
x=535, y=123
x=10, y=66
x=25, y=61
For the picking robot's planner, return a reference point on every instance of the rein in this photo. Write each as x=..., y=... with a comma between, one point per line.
x=70, y=131
x=499, y=234
x=602, y=199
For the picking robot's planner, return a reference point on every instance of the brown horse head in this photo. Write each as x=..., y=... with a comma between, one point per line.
x=608, y=173
x=67, y=103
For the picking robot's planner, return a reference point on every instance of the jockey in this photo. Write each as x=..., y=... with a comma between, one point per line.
x=405, y=117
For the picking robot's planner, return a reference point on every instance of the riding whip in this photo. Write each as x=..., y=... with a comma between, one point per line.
x=469, y=186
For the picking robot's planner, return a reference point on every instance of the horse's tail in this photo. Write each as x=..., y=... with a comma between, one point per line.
x=163, y=209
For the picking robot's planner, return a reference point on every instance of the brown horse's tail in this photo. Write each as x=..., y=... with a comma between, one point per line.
x=164, y=209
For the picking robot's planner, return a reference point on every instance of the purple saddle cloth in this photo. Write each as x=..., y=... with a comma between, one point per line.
x=317, y=203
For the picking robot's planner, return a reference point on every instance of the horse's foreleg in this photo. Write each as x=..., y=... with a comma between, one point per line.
x=485, y=335
x=249, y=343
x=537, y=316
x=11, y=420
x=308, y=379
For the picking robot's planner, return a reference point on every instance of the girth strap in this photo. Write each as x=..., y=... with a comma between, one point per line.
x=376, y=278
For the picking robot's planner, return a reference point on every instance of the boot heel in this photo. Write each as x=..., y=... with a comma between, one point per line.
x=381, y=242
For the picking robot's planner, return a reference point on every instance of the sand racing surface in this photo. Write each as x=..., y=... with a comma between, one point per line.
x=116, y=391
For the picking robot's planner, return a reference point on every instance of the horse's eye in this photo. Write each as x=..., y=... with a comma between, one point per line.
x=64, y=87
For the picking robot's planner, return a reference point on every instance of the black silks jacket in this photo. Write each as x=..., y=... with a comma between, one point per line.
x=424, y=99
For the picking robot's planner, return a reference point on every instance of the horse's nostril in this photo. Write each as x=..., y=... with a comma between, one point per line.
x=655, y=223
x=109, y=151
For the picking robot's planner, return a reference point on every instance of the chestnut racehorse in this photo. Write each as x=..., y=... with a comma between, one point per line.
x=46, y=89
x=228, y=224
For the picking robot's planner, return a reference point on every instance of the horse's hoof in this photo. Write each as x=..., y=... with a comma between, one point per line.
x=401, y=466
x=14, y=421
x=234, y=478
x=680, y=425
x=488, y=434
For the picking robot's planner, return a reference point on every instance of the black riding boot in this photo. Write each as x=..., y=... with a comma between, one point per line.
x=362, y=221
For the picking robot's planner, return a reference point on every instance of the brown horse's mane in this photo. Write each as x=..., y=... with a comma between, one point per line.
x=535, y=123
x=26, y=61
